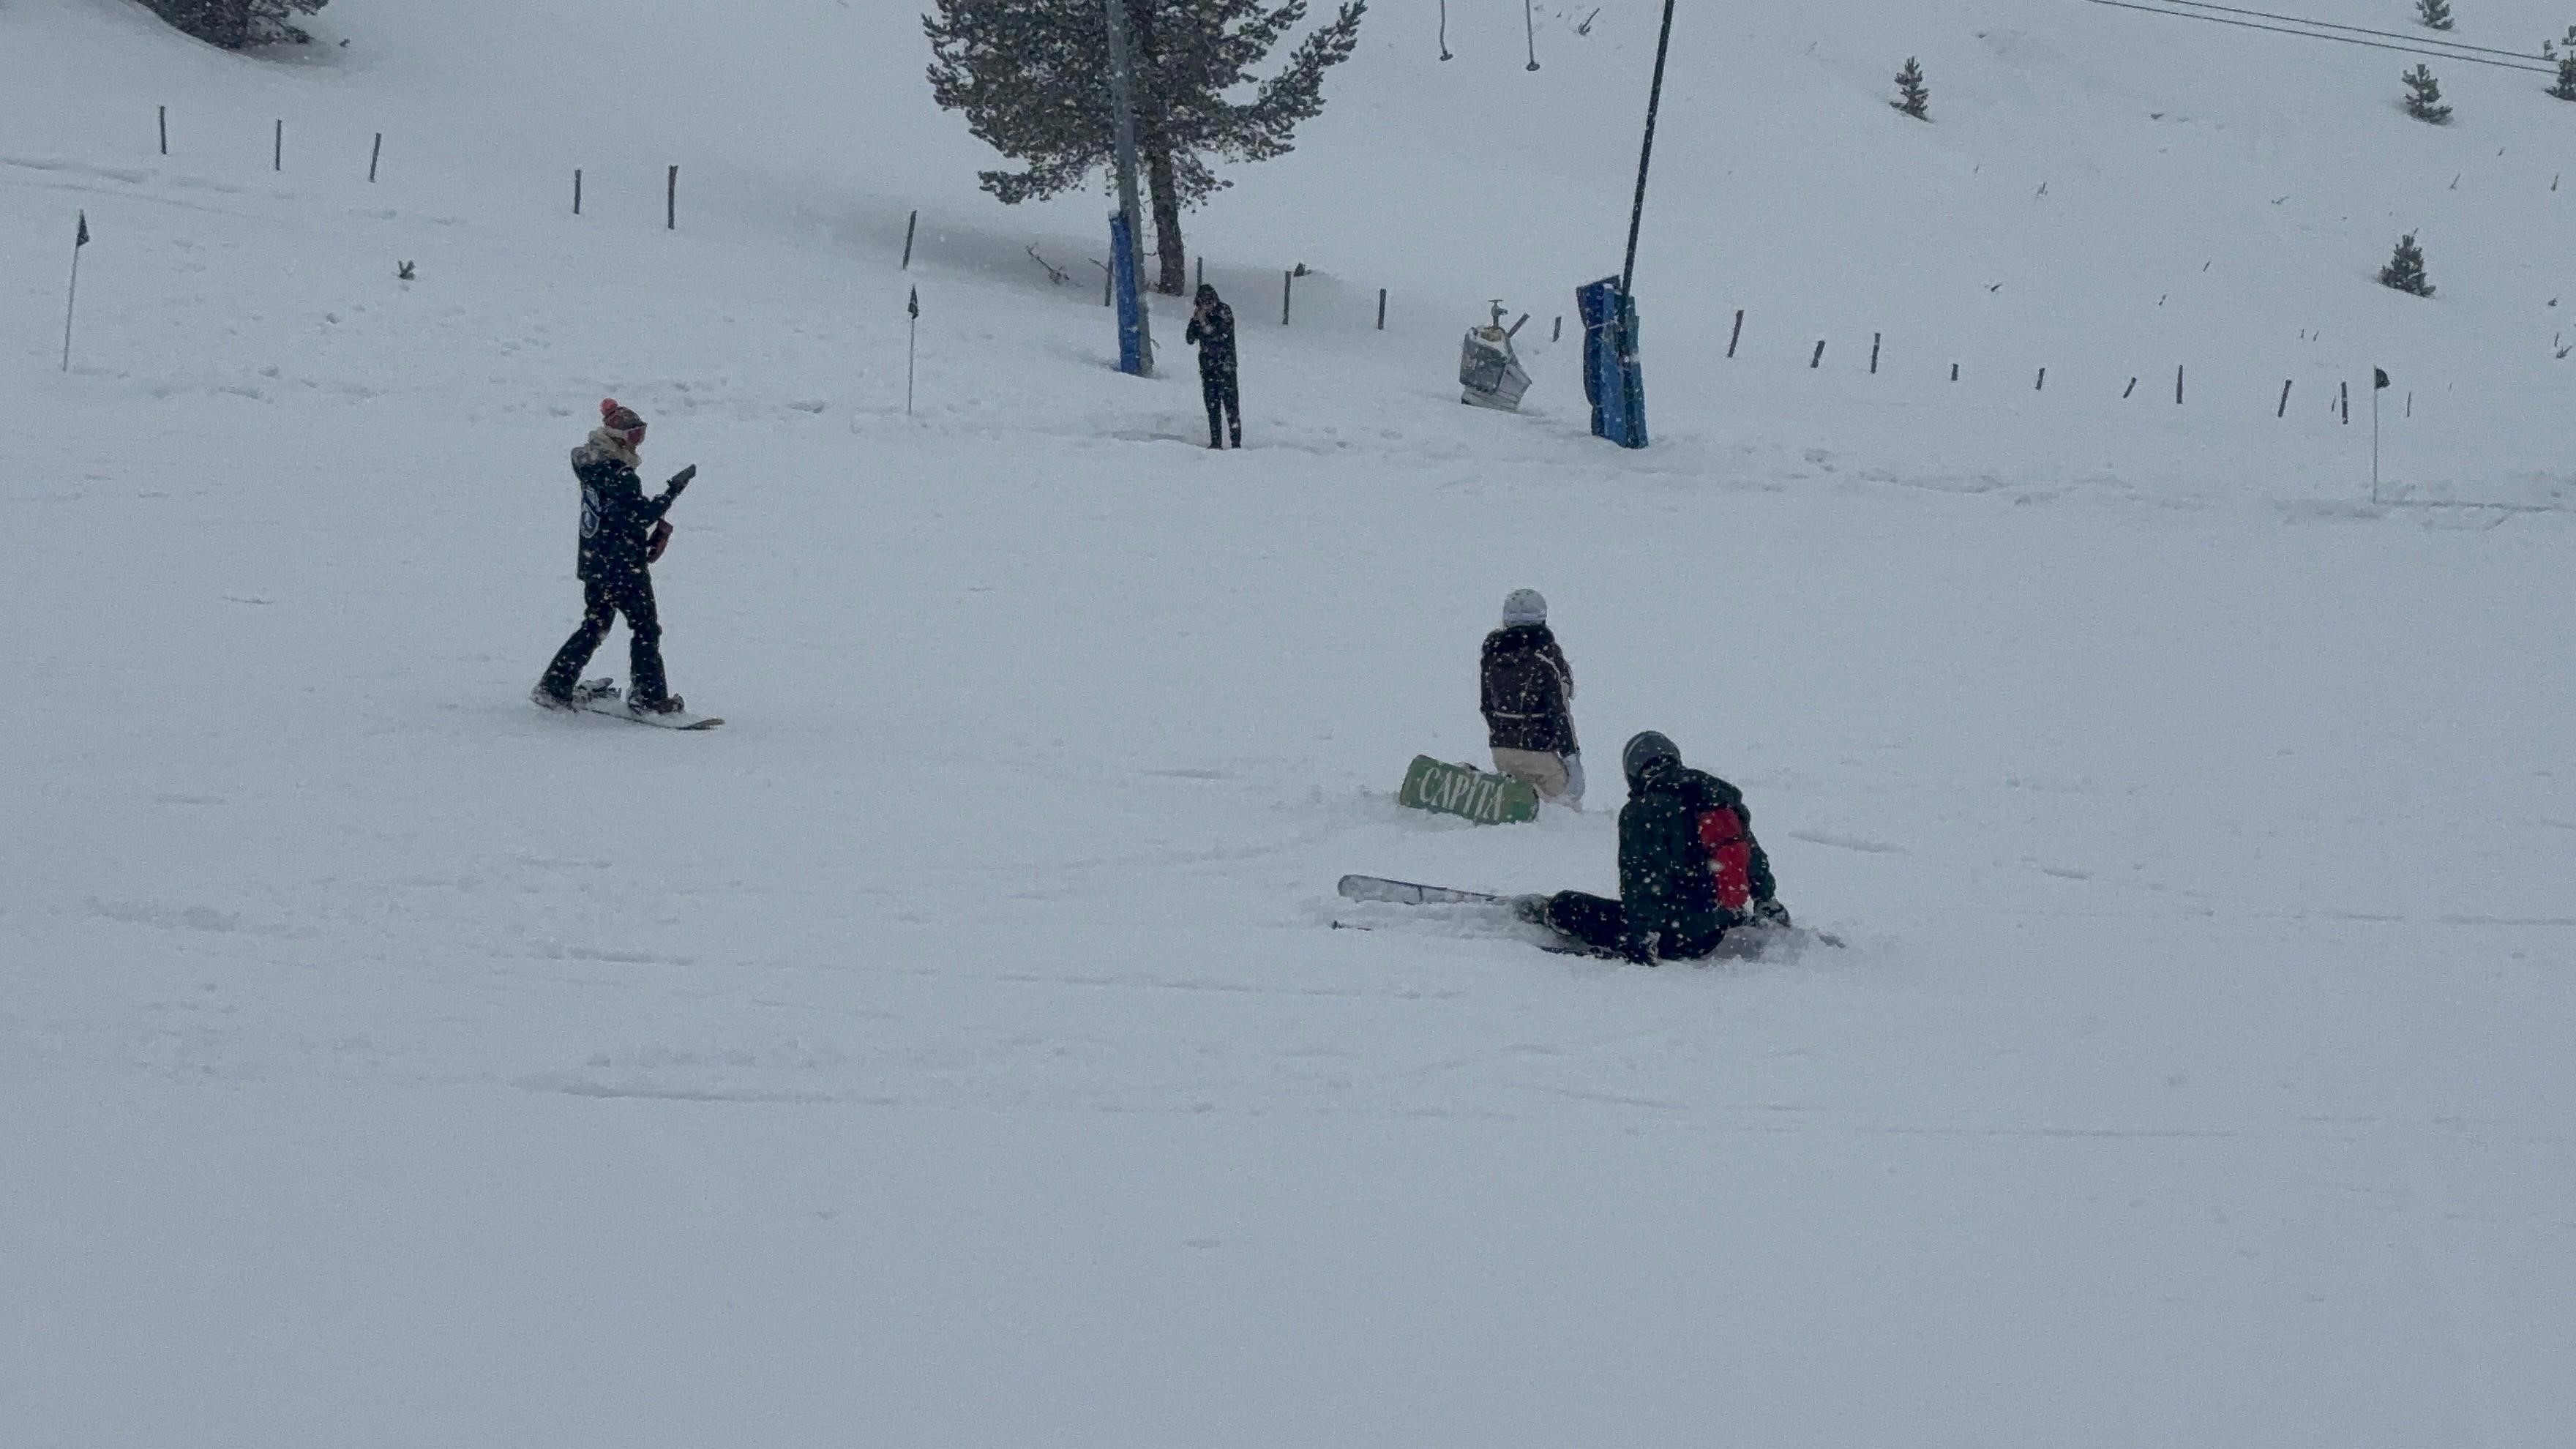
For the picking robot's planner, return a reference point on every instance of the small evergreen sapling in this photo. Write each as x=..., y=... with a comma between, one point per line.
x=2436, y=14
x=1913, y=97
x=2565, y=90
x=2405, y=270
x=2424, y=101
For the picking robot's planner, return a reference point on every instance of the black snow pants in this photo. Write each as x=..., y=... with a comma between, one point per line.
x=1224, y=397
x=1601, y=924
x=603, y=599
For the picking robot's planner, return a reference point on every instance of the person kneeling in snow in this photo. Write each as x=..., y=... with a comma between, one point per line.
x=1689, y=868
x=622, y=532
x=1529, y=702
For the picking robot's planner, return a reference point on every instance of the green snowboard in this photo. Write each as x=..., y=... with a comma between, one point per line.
x=1468, y=791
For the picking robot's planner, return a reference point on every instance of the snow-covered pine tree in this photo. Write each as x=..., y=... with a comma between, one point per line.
x=2424, y=98
x=2405, y=270
x=238, y=24
x=2565, y=89
x=2434, y=13
x=1032, y=77
x=1913, y=97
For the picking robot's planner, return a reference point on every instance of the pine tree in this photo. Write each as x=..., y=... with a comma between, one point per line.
x=2434, y=13
x=1913, y=97
x=2405, y=270
x=239, y=24
x=1032, y=77
x=2565, y=90
x=2425, y=101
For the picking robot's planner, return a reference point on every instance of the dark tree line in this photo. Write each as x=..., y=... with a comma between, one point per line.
x=1032, y=77
x=239, y=24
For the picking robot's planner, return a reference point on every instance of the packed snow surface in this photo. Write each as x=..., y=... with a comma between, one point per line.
x=960, y=1046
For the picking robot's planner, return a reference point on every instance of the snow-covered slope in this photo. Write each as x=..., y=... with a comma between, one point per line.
x=956, y=1048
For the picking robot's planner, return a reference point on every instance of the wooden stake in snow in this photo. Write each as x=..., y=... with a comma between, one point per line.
x=911, y=347
x=1873, y=354
x=165, y=135
x=80, y=239
x=909, y=228
x=576, y=191
x=1381, y=311
x=671, y=203
x=2132, y=387
x=2042, y=384
x=1738, y=334
x=1819, y=359
x=1287, y=290
x=375, y=156
x=2283, y=410
x=277, y=159
x=2177, y=385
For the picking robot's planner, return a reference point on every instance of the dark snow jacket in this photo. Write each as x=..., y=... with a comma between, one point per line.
x=1689, y=867
x=1214, y=336
x=616, y=518
x=1529, y=691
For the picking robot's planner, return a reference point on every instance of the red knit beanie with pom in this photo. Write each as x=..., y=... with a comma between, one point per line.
x=621, y=420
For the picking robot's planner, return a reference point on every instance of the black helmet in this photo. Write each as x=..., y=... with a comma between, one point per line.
x=1644, y=750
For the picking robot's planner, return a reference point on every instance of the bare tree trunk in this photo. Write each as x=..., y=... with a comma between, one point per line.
x=1168, y=246
x=1153, y=139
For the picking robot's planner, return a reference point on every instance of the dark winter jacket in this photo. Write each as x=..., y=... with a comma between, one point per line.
x=1213, y=332
x=1689, y=867
x=1529, y=691
x=616, y=518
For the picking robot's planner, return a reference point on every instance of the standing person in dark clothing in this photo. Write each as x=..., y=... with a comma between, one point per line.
x=1212, y=328
x=622, y=532
x=1689, y=868
x=1529, y=702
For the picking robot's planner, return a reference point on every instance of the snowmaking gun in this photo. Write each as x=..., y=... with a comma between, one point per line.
x=1489, y=370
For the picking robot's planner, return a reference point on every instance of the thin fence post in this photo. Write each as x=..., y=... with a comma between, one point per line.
x=375, y=156
x=1287, y=290
x=1873, y=354
x=2343, y=396
x=1202, y=270
x=2133, y=387
x=1559, y=334
x=2410, y=402
x=1738, y=334
x=671, y=203
x=2283, y=410
x=909, y=228
x=1381, y=309
x=1819, y=359
x=165, y=130
x=2177, y=384
x=277, y=159
x=576, y=191
x=2042, y=384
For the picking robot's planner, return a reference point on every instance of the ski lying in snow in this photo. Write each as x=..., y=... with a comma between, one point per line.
x=615, y=708
x=1406, y=893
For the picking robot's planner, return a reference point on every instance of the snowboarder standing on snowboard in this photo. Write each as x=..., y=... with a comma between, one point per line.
x=1689, y=868
x=1212, y=329
x=1529, y=702
x=622, y=532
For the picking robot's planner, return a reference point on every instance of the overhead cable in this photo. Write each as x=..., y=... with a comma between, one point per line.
x=2532, y=66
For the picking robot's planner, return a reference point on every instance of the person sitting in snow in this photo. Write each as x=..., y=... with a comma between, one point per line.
x=1529, y=702
x=622, y=532
x=1689, y=868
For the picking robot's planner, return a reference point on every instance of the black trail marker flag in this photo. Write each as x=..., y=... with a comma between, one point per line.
x=71, y=303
